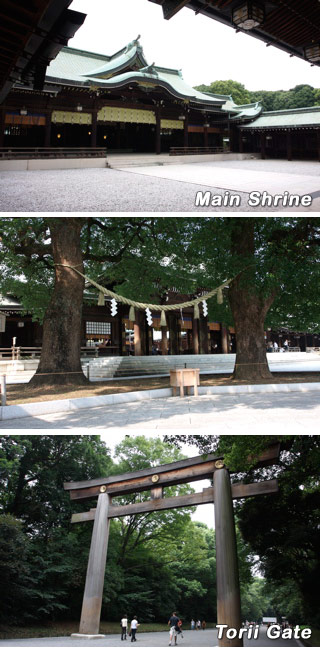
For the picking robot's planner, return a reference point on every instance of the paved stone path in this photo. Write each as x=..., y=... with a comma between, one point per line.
x=262, y=413
x=154, y=639
x=169, y=188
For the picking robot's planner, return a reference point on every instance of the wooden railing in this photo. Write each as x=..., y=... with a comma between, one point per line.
x=32, y=353
x=44, y=152
x=197, y=150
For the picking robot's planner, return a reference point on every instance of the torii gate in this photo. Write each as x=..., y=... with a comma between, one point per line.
x=155, y=479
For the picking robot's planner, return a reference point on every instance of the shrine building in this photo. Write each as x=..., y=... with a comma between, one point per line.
x=121, y=103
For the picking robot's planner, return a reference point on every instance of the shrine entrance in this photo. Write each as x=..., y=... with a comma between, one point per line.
x=156, y=479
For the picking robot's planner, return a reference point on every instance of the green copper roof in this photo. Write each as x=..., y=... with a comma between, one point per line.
x=285, y=118
x=128, y=66
x=127, y=58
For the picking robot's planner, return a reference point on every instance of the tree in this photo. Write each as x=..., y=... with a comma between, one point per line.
x=34, y=253
x=237, y=90
x=284, y=532
x=274, y=265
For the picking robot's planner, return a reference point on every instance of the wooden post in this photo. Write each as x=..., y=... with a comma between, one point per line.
x=195, y=334
x=203, y=329
x=289, y=146
x=205, y=136
x=240, y=142
x=228, y=588
x=318, y=144
x=2, y=124
x=224, y=339
x=47, y=135
x=3, y=390
x=186, y=130
x=164, y=346
x=92, y=599
x=93, y=140
x=158, y=131
x=263, y=145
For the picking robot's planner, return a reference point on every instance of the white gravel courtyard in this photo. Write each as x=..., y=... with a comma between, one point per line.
x=165, y=188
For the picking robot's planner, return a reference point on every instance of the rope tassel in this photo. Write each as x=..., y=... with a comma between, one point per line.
x=220, y=296
x=196, y=311
x=132, y=315
x=163, y=321
x=101, y=299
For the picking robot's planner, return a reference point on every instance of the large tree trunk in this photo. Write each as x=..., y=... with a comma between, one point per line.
x=62, y=326
x=249, y=308
x=249, y=315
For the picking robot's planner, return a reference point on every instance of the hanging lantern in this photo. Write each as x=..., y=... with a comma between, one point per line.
x=248, y=15
x=312, y=53
x=114, y=307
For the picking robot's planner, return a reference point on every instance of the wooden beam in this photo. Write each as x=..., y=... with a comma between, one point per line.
x=238, y=491
x=178, y=472
x=171, y=7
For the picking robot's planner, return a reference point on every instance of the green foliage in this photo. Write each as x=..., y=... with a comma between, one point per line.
x=237, y=90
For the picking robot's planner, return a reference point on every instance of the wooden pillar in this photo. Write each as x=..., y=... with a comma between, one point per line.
x=289, y=146
x=203, y=330
x=173, y=334
x=2, y=124
x=205, y=136
x=186, y=130
x=228, y=588
x=240, y=142
x=92, y=599
x=195, y=334
x=47, y=134
x=164, y=345
x=124, y=349
x=158, y=131
x=139, y=334
x=318, y=144
x=93, y=140
x=263, y=145
x=224, y=339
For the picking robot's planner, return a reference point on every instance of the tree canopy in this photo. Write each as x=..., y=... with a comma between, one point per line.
x=301, y=96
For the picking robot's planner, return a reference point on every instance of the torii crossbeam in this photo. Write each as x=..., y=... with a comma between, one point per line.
x=155, y=479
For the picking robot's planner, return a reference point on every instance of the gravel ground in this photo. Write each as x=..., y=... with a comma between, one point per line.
x=102, y=190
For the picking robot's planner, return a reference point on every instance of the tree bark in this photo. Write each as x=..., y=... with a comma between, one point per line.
x=249, y=308
x=60, y=357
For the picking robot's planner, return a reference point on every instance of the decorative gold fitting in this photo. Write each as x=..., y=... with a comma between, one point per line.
x=103, y=489
x=155, y=478
x=219, y=464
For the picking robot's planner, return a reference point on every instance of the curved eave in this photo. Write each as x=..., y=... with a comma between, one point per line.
x=156, y=81
x=119, y=64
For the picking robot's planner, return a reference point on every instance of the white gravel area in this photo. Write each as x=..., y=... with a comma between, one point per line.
x=103, y=190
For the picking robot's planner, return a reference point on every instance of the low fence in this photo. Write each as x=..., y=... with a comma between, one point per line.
x=24, y=353
x=45, y=152
x=197, y=150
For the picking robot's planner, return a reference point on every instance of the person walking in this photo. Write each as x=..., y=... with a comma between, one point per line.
x=133, y=628
x=193, y=624
x=173, y=623
x=199, y=625
x=124, y=627
x=203, y=625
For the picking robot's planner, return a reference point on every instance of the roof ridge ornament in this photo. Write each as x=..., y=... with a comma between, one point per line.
x=134, y=43
x=149, y=69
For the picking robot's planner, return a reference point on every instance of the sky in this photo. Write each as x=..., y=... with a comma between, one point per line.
x=204, y=49
x=205, y=512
